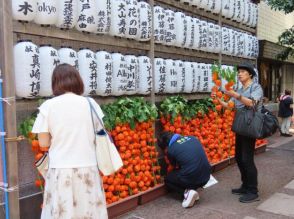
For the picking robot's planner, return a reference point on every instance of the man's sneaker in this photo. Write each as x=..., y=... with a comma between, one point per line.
x=239, y=191
x=190, y=196
x=249, y=197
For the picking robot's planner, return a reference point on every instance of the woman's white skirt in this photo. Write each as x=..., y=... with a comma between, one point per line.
x=74, y=193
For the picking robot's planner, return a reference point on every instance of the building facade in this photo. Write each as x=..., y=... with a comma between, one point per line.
x=275, y=75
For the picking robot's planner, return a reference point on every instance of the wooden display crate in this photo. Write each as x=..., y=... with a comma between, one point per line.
x=152, y=194
x=260, y=149
x=127, y=204
x=220, y=165
x=122, y=206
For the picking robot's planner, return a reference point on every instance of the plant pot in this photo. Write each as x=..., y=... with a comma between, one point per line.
x=152, y=194
x=122, y=206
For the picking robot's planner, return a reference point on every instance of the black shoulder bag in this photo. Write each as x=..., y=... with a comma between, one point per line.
x=254, y=124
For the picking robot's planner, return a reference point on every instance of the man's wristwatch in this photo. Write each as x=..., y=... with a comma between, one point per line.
x=239, y=97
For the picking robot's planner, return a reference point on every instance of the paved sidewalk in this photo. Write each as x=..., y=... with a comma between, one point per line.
x=276, y=181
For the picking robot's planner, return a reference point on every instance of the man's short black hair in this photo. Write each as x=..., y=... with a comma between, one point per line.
x=164, y=139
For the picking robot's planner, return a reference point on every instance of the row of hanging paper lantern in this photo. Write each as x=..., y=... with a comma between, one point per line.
x=177, y=76
x=213, y=6
x=241, y=11
x=176, y=29
x=236, y=43
x=124, y=18
x=103, y=73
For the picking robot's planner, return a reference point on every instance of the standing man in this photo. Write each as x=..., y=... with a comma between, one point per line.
x=285, y=112
x=186, y=153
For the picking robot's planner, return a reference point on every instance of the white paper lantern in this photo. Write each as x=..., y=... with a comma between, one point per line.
x=218, y=7
x=250, y=14
x=46, y=12
x=242, y=13
x=119, y=74
x=103, y=16
x=195, y=3
x=48, y=61
x=256, y=47
x=238, y=11
x=204, y=5
x=171, y=76
x=235, y=9
x=67, y=13
x=206, y=74
x=132, y=19
x=199, y=76
x=69, y=56
x=118, y=25
x=88, y=70
x=26, y=69
x=240, y=44
x=169, y=27
x=202, y=76
x=196, y=77
x=160, y=75
x=214, y=6
x=159, y=28
x=181, y=29
x=104, y=73
x=189, y=75
x=181, y=76
x=190, y=33
x=237, y=43
x=247, y=45
x=24, y=10
x=210, y=82
x=255, y=16
x=145, y=21
x=197, y=24
x=186, y=2
x=210, y=37
x=252, y=18
x=144, y=83
x=233, y=41
x=226, y=8
x=231, y=13
x=246, y=12
x=87, y=16
x=203, y=35
x=217, y=38
x=226, y=41
x=132, y=74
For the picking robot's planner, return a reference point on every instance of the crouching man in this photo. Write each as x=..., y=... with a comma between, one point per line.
x=193, y=169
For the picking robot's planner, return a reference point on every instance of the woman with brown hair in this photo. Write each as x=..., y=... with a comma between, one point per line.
x=73, y=186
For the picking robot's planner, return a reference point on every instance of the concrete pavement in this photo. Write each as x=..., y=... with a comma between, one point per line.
x=276, y=190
